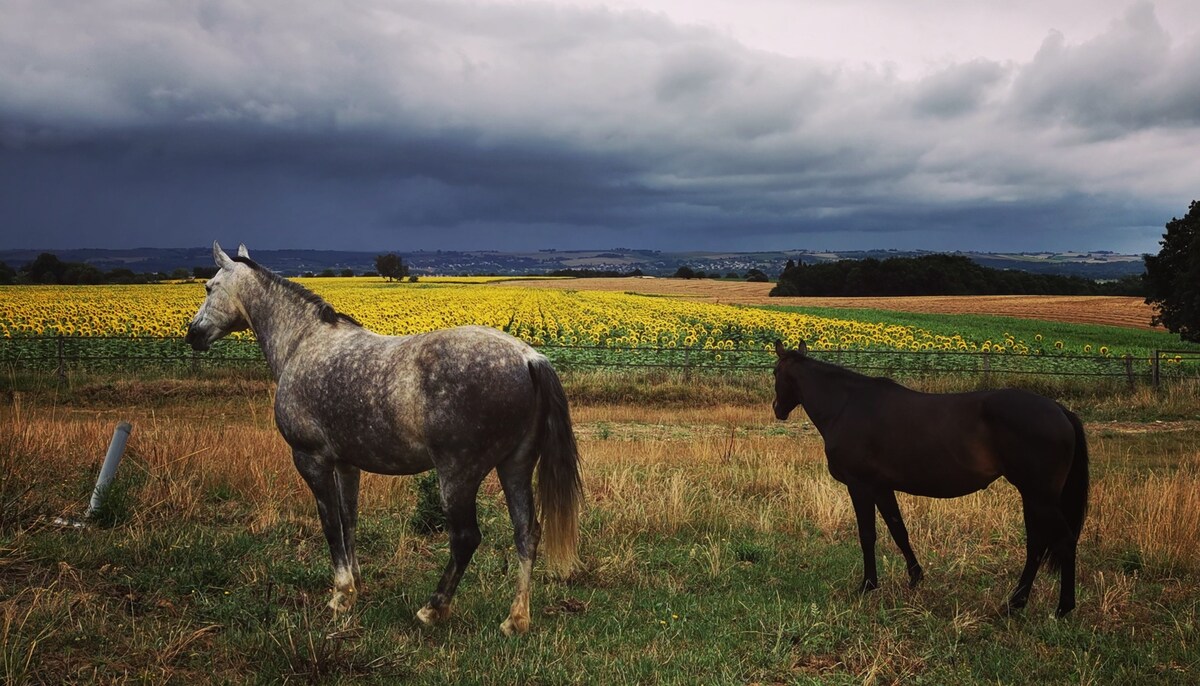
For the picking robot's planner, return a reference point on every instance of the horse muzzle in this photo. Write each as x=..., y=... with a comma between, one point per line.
x=197, y=338
x=781, y=413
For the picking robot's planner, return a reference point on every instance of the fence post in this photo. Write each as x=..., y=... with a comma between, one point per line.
x=60, y=349
x=1154, y=372
x=1129, y=369
x=687, y=363
x=987, y=366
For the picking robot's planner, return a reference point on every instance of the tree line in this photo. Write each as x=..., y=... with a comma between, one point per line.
x=48, y=269
x=935, y=275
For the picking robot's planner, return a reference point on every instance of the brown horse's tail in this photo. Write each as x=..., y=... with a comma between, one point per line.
x=559, y=489
x=1074, y=499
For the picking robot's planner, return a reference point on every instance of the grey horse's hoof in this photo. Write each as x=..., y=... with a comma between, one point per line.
x=514, y=626
x=429, y=615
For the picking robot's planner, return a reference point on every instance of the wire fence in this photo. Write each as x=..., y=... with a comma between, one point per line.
x=63, y=354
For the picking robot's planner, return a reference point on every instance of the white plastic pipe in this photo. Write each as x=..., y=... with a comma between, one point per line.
x=115, y=450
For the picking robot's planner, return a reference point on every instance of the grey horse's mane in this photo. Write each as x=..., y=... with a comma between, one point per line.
x=324, y=310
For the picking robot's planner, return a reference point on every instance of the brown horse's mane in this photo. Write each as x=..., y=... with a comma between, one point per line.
x=324, y=310
x=844, y=374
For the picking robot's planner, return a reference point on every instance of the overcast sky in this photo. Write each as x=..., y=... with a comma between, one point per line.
x=671, y=124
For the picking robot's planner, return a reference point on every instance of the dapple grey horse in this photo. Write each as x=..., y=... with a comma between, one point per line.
x=461, y=401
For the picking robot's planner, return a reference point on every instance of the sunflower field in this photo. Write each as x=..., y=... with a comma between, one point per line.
x=146, y=322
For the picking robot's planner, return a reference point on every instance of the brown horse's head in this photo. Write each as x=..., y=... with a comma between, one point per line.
x=787, y=386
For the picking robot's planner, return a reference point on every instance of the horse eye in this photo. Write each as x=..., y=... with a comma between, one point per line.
x=208, y=288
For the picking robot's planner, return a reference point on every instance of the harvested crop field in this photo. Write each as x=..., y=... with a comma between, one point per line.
x=1107, y=310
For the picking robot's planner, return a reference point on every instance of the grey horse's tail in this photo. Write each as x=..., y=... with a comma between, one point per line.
x=559, y=489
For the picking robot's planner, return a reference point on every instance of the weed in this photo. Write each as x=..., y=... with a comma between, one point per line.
x=428, y=516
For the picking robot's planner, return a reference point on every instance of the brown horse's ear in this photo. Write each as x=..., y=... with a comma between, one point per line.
x=802, y=348
x=779, y=349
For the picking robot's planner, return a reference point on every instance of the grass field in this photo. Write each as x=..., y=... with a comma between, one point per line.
x=1104, y=310
x=716, y=550
x=1080, y=337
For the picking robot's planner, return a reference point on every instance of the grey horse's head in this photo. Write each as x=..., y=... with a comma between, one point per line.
x=222, y=312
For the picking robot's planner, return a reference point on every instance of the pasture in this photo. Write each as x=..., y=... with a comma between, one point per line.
x=716, y=547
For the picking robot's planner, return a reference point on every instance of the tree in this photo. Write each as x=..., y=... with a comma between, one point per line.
x=757, y=275
x=7, y=274
x=685, y=272
x=347, y=272
x=47, y=268
x=391, y=266
x=1172, y=277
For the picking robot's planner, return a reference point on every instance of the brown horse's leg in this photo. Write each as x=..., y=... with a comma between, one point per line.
x=459, y=498
x=516, y=479
x=864, y=511
x=336, y=492
x=885, y=500
x=1038, y=524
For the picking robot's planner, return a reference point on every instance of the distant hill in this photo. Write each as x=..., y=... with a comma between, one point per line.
x=1093, y=265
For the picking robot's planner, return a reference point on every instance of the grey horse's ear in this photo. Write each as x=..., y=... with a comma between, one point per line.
x=779, y=349
x=802, y=348
x=242, y=251
x=219, y=256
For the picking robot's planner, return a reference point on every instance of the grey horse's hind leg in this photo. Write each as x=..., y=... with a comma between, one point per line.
x=336, y=492
x=516, y=476
x=458, y=497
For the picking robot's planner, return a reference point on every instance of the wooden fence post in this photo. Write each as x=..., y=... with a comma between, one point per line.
x=1129, y=369
x=1154, y=370
x=60, y=350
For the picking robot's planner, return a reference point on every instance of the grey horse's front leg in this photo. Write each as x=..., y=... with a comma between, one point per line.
x=335, y=487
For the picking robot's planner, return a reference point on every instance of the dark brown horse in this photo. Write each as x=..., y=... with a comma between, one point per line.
x=881, y=437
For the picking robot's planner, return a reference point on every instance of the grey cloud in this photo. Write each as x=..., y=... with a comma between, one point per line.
x=1132, y=77
x=957, y=90
x=455, y=121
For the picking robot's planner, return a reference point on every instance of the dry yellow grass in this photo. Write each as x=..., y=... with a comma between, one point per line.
x=646, y=470
x=1082, y=309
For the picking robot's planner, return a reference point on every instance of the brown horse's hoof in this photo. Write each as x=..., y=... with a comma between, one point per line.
x=915, y=576
x=868, y=585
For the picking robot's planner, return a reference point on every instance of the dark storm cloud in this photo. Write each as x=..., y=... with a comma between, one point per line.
x=456, y=124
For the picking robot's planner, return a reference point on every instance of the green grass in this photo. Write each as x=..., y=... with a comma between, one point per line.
x=201, y=601
x=1119, y=340
x=213, y=595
